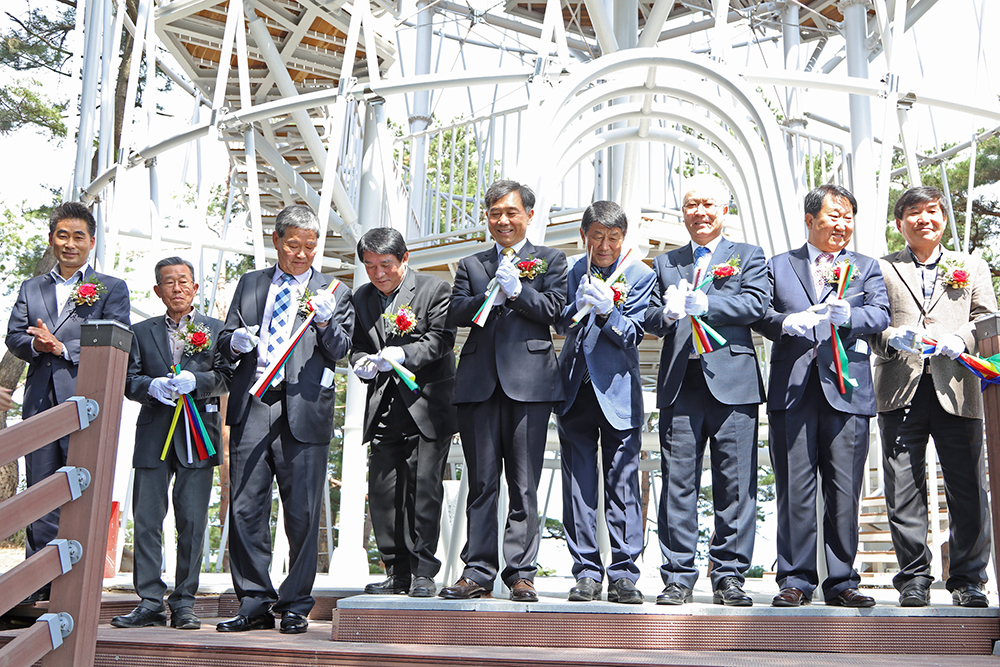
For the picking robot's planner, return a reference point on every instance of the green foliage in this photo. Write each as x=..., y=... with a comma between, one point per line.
x=23, y=104
x=23, y=241
x=553, y=529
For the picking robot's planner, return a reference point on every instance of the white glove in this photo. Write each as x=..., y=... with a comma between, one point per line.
x=509, y=278
x=581, y=300
x=839, y=312
x=393, y=353
x=381, y=364
x=907, y=339
x=323, y=305
x=183, y=383
x=695, y=303
x=673, y=301
x=161, y=390
x=244, y=340
x=800, y=324
x=950, y=346
x=498, y=299
x=598, y=293
x=365, y=368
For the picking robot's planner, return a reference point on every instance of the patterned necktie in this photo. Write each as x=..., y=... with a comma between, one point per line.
x=823, y=261
x=699, y=252
x=279, y=325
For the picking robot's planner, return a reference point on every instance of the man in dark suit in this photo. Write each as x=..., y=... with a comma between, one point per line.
x=939, y=294
x=709, y=398
x=403, y=315
x=603, y=410
x=185, y=338
x=815, y=428
x=506, y=384
x=44, y=330
x=285, y=434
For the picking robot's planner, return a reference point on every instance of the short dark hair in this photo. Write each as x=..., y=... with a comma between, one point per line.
x=605, y=213
x=72, y=210
x=500, y=189
x=296, y=215
x=172, y=261
x=382, y=241
x=816, y=197
x=920, y=195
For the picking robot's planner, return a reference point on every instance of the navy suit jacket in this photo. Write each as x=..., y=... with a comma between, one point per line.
x=150, y=358
x=309, y=402
x=792, y=356
x=734, y=303
x=514, y=348
x=607, y=347
x=37, y=300
x=429, y=349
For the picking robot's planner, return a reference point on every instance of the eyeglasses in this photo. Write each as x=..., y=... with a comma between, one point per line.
x=692, y=206
x=183, y=283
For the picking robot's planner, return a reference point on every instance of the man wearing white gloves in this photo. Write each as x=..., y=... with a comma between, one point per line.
x=185, y=338
x=402, y=315
x=285, y=433
x=819, y=415
x=937, y=294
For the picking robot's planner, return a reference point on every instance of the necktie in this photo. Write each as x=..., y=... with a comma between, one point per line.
x=700, y=253
x=819, y=272
x=279, y=325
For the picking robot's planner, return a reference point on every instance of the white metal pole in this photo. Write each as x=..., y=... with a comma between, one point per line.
x=94, y=21
x=420, y=120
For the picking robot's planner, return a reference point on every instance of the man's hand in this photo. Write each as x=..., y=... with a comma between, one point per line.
x=44, y=341
x=581, y=299
x=183, y=383
x=695, y=303
x=907, y=339
x=950, y=345
x=674, y=299
x=509, y=278
x=161, y=390
x=244, y=340
x=839, y=312
x=498, y=299
x=365, y=368
x=393, y=353
x=800, y=324
x=600, y=295
x=323, y=305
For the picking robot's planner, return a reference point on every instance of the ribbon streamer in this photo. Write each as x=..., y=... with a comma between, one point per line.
x=407, y=376
x=580, y=314
x=170, y=434
x=839, y=353
x=987, y=369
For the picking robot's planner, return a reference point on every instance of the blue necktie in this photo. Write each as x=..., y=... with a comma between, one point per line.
x=279, y=325
x=700, y=251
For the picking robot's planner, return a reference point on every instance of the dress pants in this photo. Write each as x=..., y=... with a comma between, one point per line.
x=265, y=450
x=807, y=439
x=695, y=419
x=38, y=465
x=959, y=445
x=502, y=436
x=191, y=495
x=580, y=429
x=405, y=492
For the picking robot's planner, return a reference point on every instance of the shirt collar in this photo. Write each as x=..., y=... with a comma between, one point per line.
x=177, y=325
x=711, y=245
x=301, y=279
x=815, y=252
x=517, y=247
x=931, y=261
x=80, y=273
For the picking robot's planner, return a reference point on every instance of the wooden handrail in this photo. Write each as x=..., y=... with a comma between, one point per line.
x=52, y=492
x=41, y=429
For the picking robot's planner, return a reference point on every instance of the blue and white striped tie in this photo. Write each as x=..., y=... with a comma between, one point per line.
x=279, y=325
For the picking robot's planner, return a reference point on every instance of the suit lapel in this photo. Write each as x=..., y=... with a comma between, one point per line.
x=723, y=252
x=70, y=305
x=48, y=289
x=260, y=294
x=373, y=305
x=904, y=267
x=939, y=285
x=799, y=259
x=162, y=341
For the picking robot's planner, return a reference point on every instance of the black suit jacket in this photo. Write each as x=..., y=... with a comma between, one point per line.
x=150, y=358
x=429, y=349
x=309, y=402
x=514, y=348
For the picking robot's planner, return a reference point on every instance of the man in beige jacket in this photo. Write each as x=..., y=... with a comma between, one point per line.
x=938, y=294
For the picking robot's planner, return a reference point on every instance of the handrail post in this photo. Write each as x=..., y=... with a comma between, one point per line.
x=988, y=335
x=103, y=361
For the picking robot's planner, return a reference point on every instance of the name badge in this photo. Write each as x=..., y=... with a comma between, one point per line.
x=327, y=380
x=861, y=345
x=211, y=408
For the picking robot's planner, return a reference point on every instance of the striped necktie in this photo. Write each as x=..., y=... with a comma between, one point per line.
x=279, y=325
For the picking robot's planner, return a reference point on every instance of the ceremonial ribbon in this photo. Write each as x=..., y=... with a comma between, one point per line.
x=193, y=421
x=267, y=377
x=703, y=335
x=580, y=314
x=987, y=369
x=407, y=376
x=839, y=353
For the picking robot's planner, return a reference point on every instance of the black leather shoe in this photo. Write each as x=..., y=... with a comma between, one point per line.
x=292, y=623
x=241, y=623
x=140, y=617
x=914, y=594
x=523, y=591
x=391, y=586
x=674, y=594
x=730, y=593
x=969, y=595
x=422, y=587
x=790, y=597
x=851, y=597
x=585, y=590
x=184, y=618
x=623, y=591
x=465, y=589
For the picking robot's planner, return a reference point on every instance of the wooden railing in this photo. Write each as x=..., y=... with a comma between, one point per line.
x=74, y=562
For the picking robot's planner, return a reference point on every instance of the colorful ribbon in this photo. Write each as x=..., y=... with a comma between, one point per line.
x=839, y=353
x=407, y=376
x=195, y=427
x=987, y=369
x=703, y=335
x=580, y=314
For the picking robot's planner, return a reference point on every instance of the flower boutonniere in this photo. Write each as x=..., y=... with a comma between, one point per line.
x=620, y=288
x=730, y=268
x=305, y=307
x=532, y=267
x=831, y=272
x=196, y=338
x=88, y=293
x=401, y=322
x=954, y=274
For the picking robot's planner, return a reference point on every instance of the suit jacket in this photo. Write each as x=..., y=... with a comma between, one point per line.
x=37, y=300
x=732, y=372
x=429, y=349
x=150, y=358
x=309, y=400
x=514, y=348
x=951, y=310
x=607, y=347
x=792, y=356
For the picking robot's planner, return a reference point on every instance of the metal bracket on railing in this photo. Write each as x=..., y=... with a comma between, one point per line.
x=86, y=408
x=60, y=625
x=70, y=553
x=77, y=478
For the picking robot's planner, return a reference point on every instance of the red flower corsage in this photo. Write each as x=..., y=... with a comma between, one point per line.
x=196, y=338
x=401, y=322
x=620, y=289
x=305, y=307
x=954, y=273
x=730, y=268
x=87, y=294
x=831, y=272
x=532, y=267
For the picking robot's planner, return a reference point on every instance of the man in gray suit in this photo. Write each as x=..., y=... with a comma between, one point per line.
x=709, y=398
x=603, y=410
x=44, y=330
x=182, y=337
x=939, y=294
x=285, y=434
x=403, y=315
